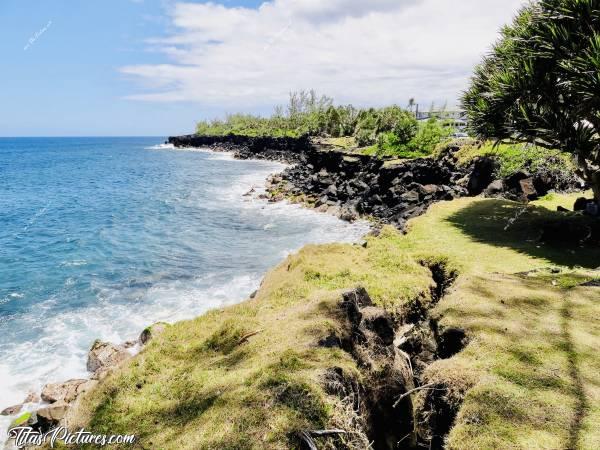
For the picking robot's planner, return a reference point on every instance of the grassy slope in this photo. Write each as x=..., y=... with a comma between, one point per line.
x=529, y=371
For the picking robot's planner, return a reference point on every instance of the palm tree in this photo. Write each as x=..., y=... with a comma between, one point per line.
x=541, y=83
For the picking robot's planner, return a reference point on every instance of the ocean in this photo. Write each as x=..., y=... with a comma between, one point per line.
x=100, y=237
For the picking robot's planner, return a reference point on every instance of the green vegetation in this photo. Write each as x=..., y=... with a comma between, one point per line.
x=386, y=132
x=306, y=114
x=540, y=84
x=21, y=421
x=250, y=376
x=426, y=137
x=513, y=158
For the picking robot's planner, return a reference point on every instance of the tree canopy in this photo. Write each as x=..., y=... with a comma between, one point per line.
x=390, y=131
x=541, y=83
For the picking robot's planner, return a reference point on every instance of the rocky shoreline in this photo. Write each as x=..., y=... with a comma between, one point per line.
x=57, y=400
x=391, y=192
x=283, y=149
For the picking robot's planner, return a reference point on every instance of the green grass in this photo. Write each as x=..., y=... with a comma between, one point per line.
x=529, y=377
x=339, y=143
x=516, y=157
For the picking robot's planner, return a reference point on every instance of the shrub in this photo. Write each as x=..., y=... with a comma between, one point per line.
x=513, y=158
x=399, y=122
x=427, y=137
x=430, y=134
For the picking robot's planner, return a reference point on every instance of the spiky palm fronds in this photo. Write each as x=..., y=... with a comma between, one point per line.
x=541, y=82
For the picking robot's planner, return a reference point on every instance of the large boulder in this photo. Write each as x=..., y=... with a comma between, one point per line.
x=520, y=186
x=67, y=391
x=528, y=189
x=482, y=174
x=429, y=189
x=581, y=204
x=494, y=188
x=331, y=190
x=410, y=197
x=104, y=355
x=52, y=415
x=349, y=213
x=32, y=397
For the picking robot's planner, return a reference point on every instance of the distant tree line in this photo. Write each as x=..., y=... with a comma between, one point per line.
x=385, y=131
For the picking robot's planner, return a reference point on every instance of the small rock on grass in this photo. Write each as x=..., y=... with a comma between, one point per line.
x=152, y=331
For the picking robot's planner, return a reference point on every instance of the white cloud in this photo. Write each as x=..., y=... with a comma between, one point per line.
x=366, y=52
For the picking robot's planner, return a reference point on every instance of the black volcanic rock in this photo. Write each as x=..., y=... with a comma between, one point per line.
x=352, y=184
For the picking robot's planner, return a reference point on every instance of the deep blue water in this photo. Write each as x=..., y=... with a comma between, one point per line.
x=100, y=237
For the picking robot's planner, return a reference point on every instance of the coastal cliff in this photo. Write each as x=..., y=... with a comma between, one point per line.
x=404, y=341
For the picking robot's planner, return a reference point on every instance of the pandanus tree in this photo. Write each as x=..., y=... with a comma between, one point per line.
x=541, y=83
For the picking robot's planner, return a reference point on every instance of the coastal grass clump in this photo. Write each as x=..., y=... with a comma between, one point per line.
x=253, y=375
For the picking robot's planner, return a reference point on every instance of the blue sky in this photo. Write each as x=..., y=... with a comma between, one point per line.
x=67, y=82
x=155, y=67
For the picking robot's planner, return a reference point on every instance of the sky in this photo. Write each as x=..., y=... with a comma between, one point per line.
x=156, y=67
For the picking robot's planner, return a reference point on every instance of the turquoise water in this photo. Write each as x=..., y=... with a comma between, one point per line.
x=100, y=237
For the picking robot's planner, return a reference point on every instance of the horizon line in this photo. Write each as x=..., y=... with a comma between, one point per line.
x=88, y=136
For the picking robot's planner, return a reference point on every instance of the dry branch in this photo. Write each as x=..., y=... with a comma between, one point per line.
x=247, y=336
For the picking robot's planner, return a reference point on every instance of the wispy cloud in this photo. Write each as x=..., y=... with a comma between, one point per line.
x=374, y=52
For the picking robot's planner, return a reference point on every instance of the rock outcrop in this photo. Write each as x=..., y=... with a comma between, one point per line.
x=52, y=415
x=104, y=355
x=60, y=397
x=351, y=186
x=284, y=149
x=11, y=410
x=67, y=391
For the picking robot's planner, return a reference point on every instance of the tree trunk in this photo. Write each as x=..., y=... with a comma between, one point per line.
x=591, y=176
x=595, y=183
